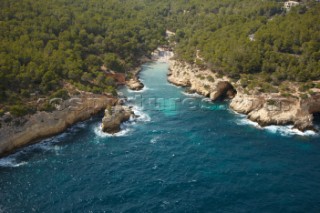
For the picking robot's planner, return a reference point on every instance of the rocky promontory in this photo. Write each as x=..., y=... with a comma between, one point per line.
x=202, y=81
x=274, y=110
x=18, y=132
x=114, y=117
x=263, y=108
x=135, y=84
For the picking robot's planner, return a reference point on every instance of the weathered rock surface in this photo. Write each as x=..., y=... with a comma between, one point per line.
x=114, y=117
x=135, y=84
x=270, y=109
x=16, y=134
x=265, y=109
x=204, y=82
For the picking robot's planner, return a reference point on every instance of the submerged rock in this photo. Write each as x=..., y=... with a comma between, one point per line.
x=114, y=117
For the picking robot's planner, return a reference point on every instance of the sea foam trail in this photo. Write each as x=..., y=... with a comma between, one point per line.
x=289, y=131
x=11, y=162
x=126, y=127
x=286, y=131
x=141, y=115
x=194, y=95
x=98, y=131
x=145, y=88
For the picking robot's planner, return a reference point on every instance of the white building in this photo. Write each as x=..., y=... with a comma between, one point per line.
x=289, y=4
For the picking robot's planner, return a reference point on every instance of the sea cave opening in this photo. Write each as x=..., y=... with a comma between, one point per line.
x=225, y=91
x=316, y=119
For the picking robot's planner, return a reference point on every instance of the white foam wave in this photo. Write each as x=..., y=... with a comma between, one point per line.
x=207, y=100
x=282, y=130
x=288, y=131
x=125, y=127
x=11, y=162
x=155, y=140
x=244, y=121
x=145, y=88
x=194, y=95
x=179, y=87
x=98, y=131
x=141, y=115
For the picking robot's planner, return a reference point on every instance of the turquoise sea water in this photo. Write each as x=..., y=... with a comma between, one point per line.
x=182, y=154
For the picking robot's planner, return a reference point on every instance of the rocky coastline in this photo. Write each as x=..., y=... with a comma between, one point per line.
x=114, y=117
x=264, y=108
x=19, y=132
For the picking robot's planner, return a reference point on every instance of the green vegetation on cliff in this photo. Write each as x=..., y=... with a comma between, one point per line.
x=45, y=44
x=250, y=37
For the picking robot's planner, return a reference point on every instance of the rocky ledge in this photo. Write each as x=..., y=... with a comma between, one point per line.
x=263, y=108
x=135, y=84
x=276, y=110
x=18, y=132
x=201, y=81
x=114, y=117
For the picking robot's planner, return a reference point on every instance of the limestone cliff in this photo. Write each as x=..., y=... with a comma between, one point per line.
x=264, y=108
x=273, y=110
x=202, y=81
x=23, y=131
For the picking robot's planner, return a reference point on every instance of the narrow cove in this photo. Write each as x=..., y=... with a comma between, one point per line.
x=172, y=158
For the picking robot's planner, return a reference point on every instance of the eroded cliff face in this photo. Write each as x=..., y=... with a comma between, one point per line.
x=202, y=81
x=263, y=108
x=268, y=109
x=23, y=131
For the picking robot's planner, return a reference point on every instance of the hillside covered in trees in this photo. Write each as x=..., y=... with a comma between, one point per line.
x=45, y=44
x=252, y=40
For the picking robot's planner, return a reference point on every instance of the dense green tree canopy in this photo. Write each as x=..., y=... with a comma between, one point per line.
x=46, y=43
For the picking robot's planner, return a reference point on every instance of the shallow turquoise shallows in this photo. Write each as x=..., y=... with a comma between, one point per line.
x=182, y=154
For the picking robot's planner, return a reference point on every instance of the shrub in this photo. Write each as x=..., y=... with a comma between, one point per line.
x=303, y=96
x=47, y=107
x=210, y=78
x=311, y=92
x=285, y=94
x=18, y=110
x=271, y=102
x=61, y=93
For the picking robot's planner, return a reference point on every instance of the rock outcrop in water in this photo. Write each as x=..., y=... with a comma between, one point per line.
x=23, y=131
x=114, y=117
x=263, y=108
x=135, y=84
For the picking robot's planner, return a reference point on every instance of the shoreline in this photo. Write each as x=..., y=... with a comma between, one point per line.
x=266, y=109
x=43, y=125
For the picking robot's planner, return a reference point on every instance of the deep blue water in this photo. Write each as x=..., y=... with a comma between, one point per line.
x=177, y=157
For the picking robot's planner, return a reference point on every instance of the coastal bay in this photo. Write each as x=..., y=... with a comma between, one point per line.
x=214, y=157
